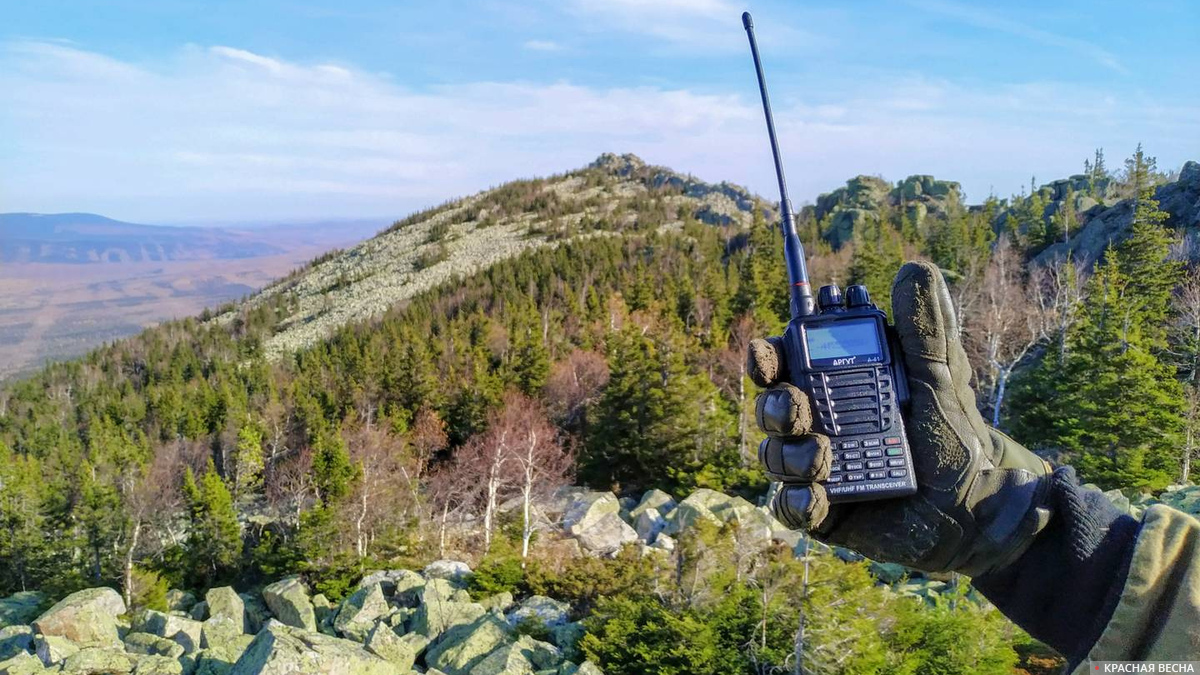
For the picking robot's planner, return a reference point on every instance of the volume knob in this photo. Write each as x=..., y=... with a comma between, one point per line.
x=829, y=297
x=857, y=296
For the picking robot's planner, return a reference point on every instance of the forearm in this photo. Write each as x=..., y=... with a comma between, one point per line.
x=1064, y=588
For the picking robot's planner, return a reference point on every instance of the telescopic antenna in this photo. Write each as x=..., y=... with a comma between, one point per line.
x=793, y=250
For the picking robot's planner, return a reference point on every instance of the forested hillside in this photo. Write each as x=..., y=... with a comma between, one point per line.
x=424, y=395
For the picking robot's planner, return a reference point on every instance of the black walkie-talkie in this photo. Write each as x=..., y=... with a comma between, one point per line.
x=843, y=353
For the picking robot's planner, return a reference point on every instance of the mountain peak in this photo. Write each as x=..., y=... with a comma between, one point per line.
x=618, y=165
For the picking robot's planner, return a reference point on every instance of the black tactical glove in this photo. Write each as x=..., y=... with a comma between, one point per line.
x=981, y=497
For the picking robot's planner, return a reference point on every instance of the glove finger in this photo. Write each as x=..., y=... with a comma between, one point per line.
x=764, y=361
x=796, y=460
x=927, y=325
x=801, y=507
x=783, y=411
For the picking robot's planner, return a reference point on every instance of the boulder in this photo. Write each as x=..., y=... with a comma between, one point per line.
x=383, y=642
x=438, y=613
x=99, y=661
x=654, y=499
x=548, y=611
x=648, y=523
x=587, y=509
x=199, y=611
x=607, y=535
x=288, y=601
x=15, y=639
x=186, y=632
x=698, y=506
x=284, y=650
x=219, y=630
x=218, y=660
x=566, y=637
x=522, y=657
x=23, y=663
x=451, y=570
x=225, y=602
x=53, y=649
x=398, y=582
x=464, y=646
x=152, y=645
x=663, y=542
x=180, y=601
x=359, y=612
x=157, y=665
x=20, y=608
x=501, y=602
x=87, y=618
x=257, y=614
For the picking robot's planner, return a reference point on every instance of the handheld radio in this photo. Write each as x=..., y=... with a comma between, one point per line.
x=843, y=353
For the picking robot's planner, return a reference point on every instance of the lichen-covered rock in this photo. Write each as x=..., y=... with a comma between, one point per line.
x=219, y=630
x=654, y=499
x=225, y=602
x=566, y=637
x=199, y=611
x=98, y=661
x=22, y=663
x=15, y=639
x=438, y=613
x=663, y=542
x=20, y=608
x=87, y=618
x=587, y=509
x=648, y=523
x=157, y=665
x=501, y=601
x=186, y=632
x=383, y=642
x=548, y=611
x=607, y=535
x=523, y=657
x=456, y=652
x=399, y=584
x=53, y=649
x=451, y=570
x=284, y=650
x=698, y=506
x=359, y=612
x=152, y=645
x=257, y=613
x=288, y=601
x=180, y=601
x=218, y=660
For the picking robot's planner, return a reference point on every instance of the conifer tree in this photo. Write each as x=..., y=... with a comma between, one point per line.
x=878, y=255
x=214, y=543
x=21, y=520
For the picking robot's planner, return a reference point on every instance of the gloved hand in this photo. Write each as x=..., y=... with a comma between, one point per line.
x=981, y=497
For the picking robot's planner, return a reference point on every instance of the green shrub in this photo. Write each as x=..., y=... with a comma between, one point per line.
x=498, y=575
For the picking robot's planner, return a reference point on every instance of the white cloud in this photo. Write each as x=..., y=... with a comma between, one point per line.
x=542, y=45
x=226, y=133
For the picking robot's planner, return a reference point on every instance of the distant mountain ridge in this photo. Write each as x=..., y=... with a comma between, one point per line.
x=88, y=238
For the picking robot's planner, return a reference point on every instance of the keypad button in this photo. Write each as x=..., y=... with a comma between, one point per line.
x=855, y=476
x=897, y=461
x=895, y=452
x=899, y=473
x=876, y=475
x=875, y=464
x=871, y=443
x=836, y=468
x=849, y=445
x=854, y=466
x=834, y=479
x=854, y=454
x=873, y=453
x=892, y=440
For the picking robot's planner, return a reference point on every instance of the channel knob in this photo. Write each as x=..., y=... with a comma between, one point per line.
x=829, y=297
x=857, y=296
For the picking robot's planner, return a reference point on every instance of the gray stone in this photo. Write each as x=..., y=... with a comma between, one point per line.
x=501, y=601
x=548, y=611
x=98, y=661
x=284, y=650
x=199, y=611
x=257, y=613
x=383, y=642
x=219, y=630
x=219, y=660
x=663, y=542
x=607, y=535
x=648, y=524
x=437, y=613
x=23, y=663
x=288, y=601
x=180, y=601
x=186, y=632
x=359, y=612
x=698, y=506
x=451, y=570
x=523, y=657
x=588, y=509
x=157, y=665
x=464, y=646
x=225, y=602
x=53, y=649
x=654, y=499
x=20, y=608
x=87, y=618
x=400, y=584
x=15, y=639
x=152, y=645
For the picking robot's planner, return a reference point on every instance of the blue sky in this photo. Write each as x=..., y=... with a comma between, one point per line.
x=181, y=111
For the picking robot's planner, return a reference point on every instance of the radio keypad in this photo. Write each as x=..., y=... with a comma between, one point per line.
x=860, y=403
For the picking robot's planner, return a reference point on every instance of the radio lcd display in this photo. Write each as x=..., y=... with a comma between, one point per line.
x=843, y=343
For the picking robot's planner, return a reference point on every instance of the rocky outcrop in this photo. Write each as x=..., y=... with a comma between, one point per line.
x=284, y=650
x=289, y=603
x=88, y=617
x=864, y=198
x=360, y=611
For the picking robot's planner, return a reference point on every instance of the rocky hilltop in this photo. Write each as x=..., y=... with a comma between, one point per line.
x=847, y=208
x=463, y=237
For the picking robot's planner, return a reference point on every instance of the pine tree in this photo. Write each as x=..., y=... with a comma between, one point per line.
x=22, y=540
x=878, y=256
x=331, y=468
x=214, y=543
